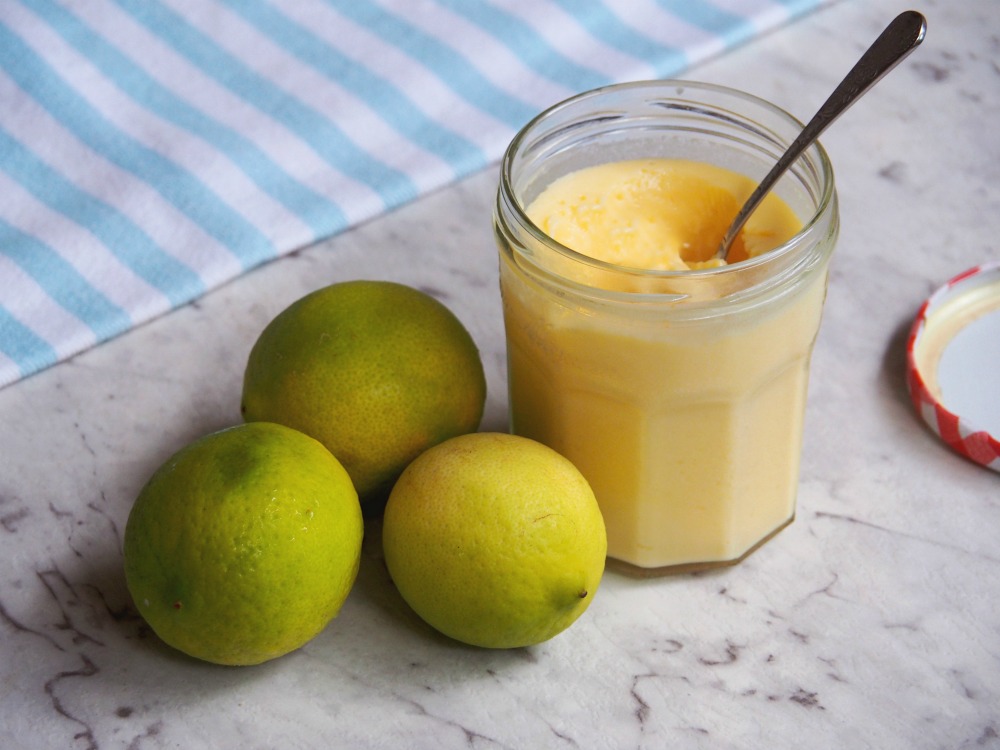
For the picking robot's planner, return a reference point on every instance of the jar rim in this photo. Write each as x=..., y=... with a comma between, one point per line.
x=820, y=162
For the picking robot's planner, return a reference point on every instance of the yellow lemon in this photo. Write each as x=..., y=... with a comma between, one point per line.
x=244, y=544
x=376, y=371
x=494, y=540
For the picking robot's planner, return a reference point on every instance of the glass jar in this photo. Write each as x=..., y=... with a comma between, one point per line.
x=680, y=395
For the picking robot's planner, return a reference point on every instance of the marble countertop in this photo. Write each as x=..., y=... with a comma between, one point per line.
x=873, y=621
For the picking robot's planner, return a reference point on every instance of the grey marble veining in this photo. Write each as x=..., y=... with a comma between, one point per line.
x=873, y=621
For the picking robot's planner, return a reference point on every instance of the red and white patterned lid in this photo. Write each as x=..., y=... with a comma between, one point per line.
x=953, y=364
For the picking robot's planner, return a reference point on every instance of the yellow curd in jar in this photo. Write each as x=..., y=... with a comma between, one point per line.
x=688, y=429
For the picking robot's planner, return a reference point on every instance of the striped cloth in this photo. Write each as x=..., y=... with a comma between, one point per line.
x=152, y=149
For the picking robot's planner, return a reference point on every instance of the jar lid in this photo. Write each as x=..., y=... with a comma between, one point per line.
x=953, y=364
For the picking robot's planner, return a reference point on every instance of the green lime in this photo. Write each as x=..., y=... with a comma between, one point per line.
x=244, y=544
x=376, y=371
x=494, y=540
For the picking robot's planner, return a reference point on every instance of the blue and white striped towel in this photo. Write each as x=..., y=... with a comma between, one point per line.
x=153, y=149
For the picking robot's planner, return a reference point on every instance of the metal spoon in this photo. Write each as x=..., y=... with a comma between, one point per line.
x=898, y=40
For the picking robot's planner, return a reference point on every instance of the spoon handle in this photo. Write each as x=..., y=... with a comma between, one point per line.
x=897, y=41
